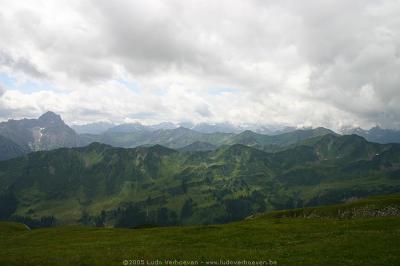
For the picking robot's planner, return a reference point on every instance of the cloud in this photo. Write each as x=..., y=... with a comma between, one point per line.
x=2, y=90
x=330, y=63
x=20, y=65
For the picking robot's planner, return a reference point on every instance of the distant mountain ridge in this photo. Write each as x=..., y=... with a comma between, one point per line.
x=376, y=134
x=45, y=133
x=50, y=132
x=92, y=128
x=181, y=137
x=225, y=127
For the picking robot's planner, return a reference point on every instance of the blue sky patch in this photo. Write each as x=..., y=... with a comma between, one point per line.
x=11, y=83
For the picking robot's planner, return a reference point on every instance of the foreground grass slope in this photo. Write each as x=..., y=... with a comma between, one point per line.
x=323, y=239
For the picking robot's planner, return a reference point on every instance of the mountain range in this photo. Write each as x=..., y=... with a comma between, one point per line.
x=48, y=132
x=159, y=185
x=133, y=174
x=92, y=128
x=180, y=137
x=375, y=134
x=102, y=127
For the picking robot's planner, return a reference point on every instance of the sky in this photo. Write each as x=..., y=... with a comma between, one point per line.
x=298, y=63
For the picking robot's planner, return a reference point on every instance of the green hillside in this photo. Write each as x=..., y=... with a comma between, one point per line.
x=106, y=186
x=198, y=146
x=273, y=239
x=276, y=142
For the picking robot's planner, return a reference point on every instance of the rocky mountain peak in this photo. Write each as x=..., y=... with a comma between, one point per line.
x=50, y=118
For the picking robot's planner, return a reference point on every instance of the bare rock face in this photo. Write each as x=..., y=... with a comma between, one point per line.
x=52, y=133
x=45, y=133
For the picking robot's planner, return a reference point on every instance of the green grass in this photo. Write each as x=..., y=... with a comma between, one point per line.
x=387, y=205
x=288, y=241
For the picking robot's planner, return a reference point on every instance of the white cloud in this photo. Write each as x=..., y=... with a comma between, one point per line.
x=2, y=90
x=329, y=63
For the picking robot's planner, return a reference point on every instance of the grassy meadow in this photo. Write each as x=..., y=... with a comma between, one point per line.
x=368, y=235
